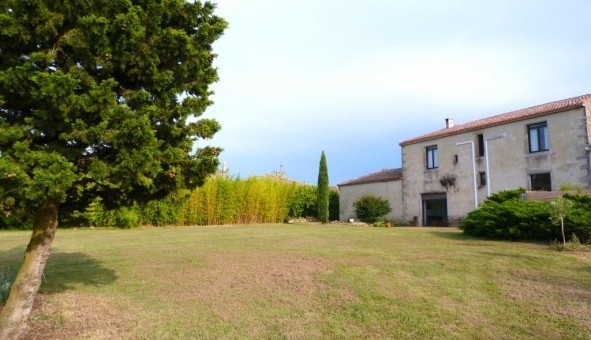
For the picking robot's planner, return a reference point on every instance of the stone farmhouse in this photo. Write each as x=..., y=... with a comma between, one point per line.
x=449, y=172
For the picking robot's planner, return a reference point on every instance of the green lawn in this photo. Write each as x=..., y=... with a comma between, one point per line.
x=304, y=281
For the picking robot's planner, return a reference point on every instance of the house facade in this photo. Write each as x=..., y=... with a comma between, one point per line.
x=449, y=172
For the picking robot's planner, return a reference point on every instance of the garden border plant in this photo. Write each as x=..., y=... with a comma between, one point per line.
x=370, y=209
x=505, y=215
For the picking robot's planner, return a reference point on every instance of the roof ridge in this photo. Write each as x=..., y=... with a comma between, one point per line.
x=383, y=175
x=515, y=115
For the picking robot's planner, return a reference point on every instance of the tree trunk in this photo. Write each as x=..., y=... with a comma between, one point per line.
x=13, y=319
x=562, y=229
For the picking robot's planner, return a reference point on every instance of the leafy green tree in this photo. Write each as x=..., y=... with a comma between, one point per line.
x=322, y=196
x=559, y=209
x=96, y=100
x=370, y=209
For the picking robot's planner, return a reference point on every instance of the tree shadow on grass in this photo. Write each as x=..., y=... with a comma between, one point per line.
x=511, y=255
x=460, y=236
x=64, y=271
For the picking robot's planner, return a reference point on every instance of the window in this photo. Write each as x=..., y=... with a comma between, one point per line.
x=432, y=157
x=480, y=145
x=538, y=137
x=541, y=182
x=482, y=177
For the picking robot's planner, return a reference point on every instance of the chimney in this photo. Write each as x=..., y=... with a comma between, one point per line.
x=449, y=123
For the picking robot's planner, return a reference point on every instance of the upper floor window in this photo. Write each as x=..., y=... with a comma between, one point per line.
x=432, y=157
x=480, y=145
x=538, y=137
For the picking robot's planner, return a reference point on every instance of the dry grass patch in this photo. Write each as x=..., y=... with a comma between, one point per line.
x=554, y=296
x=237, y=274
x=263, y=293
x=80, y=315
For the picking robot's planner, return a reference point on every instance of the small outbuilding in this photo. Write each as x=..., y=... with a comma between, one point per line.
x=386, y=184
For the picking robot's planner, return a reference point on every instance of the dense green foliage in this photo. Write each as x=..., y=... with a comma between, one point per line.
x=6, y=279
x=223, y=200
x=322, y=205
x=95, y=101
x=506, y=216
x=370, y=209
x=578, y=220
x=303, y=202
x=333, y=205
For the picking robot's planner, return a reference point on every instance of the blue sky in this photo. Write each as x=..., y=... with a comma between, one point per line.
x=354, y=78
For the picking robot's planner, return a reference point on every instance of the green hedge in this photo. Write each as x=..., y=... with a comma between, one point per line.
x=221, y=200
x=506, y=216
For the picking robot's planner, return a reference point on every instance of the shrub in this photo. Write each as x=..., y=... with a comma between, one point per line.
x=97, y=215
x=303, y=202
x=124, y=217
x=382, y=224
x=369, y=208
x=162, y=212
x=574, y=244
x=16, y=221
x=578, y=221
x=7, y=277
x=505, y=195
x=505, y=216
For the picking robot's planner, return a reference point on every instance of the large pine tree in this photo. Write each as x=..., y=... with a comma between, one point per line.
x=322, y=202
x=96, y=100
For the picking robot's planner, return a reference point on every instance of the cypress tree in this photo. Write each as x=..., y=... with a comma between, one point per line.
x=323, y=194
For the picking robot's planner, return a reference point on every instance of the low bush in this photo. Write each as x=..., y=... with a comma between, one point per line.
x=506, y=216
x=7, y=277
x=370, y=209
x=382, y=224
x=15, y=221
x=574, y=244
x=166, y=211
x=97, y=215
x=578, y=221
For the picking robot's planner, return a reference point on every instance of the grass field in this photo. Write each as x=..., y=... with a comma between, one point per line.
x=304, y=281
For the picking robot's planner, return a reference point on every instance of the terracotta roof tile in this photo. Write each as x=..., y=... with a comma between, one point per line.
x=385, y=175
x=534, y=111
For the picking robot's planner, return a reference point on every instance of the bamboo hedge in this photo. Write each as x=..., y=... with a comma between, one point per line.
x=222, y=200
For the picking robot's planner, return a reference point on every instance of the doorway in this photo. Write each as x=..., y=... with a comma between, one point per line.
x=434, y=209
